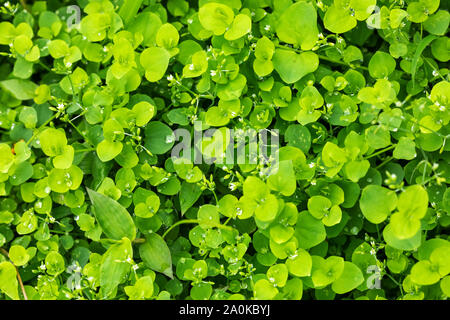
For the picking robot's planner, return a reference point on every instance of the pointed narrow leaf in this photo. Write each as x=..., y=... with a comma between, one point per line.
x=112, y=217
x=189, y=194
x=115, y=266
x=156, y=254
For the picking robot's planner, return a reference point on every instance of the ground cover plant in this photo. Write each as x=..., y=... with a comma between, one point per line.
x=354, y=94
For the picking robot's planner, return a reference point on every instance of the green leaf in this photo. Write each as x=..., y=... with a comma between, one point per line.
x=156, y=255
x=338, y=20
x=108, y=150
x=208, y=216
x=112, y=217
x=300, y=264
x=129, y=9
x=292, y=66
x=264, y=290
x=350, y=279
x=215, y=17
x=18, y=255
x=115, y=265
x=437, y=23
x=53, y=142
x=309, y=231
x=54, y=263
x=142, y=289
x=424, y=273
x=189, y=194
x=401, y=244
x=405, y=149
x=298, y=25
x=144, y=112
x=155, y=62
x=198, y=65
x=412, y=206
x=278, y=274
x=159, y=138
x=413, y=202
x=241, y=25
x=8, y=280
x=167, y=36
x=381, y=65
x=378, y=137
x=326, y=271
x=377, y=203
x=420, y=47
x=20, y=89
x=7, y=159
x=283, y=179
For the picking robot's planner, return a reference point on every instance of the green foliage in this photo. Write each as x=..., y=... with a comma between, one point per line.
x=356, y=96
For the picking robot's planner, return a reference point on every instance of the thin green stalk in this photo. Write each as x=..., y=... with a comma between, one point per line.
x=379, y=152
x=44, y=66
x=195, y=221
x=24, y=5
x=85, y=150
x=384, y=162
x=396, y=282
x=36, y=132
x=429, y=63
x=325, y=58
x=215, y=196
x=79, y=132
x=226, y=222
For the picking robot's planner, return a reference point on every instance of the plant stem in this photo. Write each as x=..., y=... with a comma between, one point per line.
x=384, y=162
x=24, y=5
x=44, y=66
x=194, y=221
x=215, y=196
x=325, y=58
x=379, y=152
x=396, y=282
x=5, y=253
x=41, y=126
x=79, y=132
x=85, y=150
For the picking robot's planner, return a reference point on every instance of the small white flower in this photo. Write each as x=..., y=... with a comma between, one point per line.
x=213, y=73
x=189, y=21
x=435, y=73
x=267, y=27
x=170, y=77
